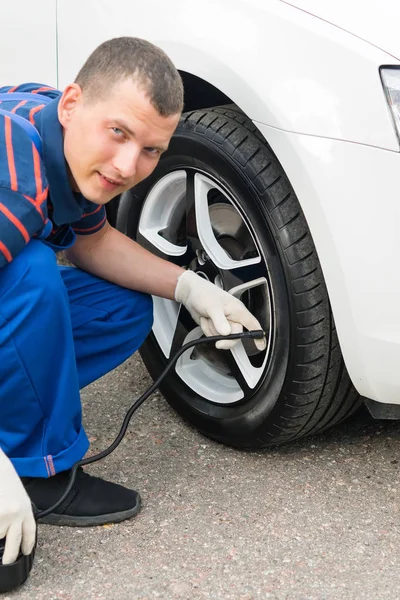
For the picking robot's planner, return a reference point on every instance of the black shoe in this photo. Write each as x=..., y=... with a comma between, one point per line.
x=92, y=501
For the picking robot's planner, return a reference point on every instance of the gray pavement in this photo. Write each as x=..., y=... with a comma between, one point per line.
x=318, y=519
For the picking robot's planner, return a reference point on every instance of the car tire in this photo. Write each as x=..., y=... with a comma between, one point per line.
x=299, y=385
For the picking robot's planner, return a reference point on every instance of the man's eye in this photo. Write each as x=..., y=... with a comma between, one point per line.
x=153, y=151
x=117, y=131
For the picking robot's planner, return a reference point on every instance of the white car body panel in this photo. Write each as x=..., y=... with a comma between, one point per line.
x=342, y=188
x=312, y=87
x=375, y=21
x=28, y=46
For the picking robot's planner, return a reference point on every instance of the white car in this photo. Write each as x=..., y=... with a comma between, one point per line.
x=281, y=185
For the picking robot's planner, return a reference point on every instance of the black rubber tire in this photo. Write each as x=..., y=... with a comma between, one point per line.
x=306, y=388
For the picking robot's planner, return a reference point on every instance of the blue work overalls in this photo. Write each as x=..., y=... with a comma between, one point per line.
x=60, y=329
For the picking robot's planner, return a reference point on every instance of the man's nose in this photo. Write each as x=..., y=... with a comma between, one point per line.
x=126, y=161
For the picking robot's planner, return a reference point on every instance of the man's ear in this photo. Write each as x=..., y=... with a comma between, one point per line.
x=71, y=98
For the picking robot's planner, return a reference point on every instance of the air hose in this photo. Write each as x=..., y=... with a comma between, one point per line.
x=15, y=574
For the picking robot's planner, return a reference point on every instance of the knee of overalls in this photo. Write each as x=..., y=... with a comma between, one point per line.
x=100, y=308
x=143, y=302
x=135, y=309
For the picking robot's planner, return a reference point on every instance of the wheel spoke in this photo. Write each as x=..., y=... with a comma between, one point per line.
x=192, y=235
x=160, y=227
x=214, y=250
x=245, y=373
x=184, y=324
x=245, y=275
x=236, y=370
x=256, y=296
x=204, y=377
x=166, y=315
x=172, y=322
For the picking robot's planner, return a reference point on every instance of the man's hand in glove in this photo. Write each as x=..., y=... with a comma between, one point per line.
x=216, y=311
x=17, y=523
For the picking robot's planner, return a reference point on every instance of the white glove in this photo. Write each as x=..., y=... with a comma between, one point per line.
x=17, y=523
x=216, y=311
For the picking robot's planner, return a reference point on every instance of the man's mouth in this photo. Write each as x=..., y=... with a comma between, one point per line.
x=109, y=183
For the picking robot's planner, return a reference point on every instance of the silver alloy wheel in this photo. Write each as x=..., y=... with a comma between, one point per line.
x=192, y=220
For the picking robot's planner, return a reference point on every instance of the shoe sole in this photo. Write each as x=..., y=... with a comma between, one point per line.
x=74, y=521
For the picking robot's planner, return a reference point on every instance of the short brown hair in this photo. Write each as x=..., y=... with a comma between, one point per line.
x=130, y=57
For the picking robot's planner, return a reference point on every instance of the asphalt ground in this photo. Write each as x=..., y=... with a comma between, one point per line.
x=317, y=519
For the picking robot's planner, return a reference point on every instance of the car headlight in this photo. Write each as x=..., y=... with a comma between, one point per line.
x=391, y=83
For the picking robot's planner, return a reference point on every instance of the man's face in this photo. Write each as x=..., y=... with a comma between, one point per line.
x=112, y=144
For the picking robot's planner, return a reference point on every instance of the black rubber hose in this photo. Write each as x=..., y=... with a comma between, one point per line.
x=256, y=334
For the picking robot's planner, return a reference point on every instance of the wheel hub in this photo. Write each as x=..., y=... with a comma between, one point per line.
x=206, y=269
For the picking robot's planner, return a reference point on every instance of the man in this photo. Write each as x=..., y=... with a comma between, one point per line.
x=61, y=327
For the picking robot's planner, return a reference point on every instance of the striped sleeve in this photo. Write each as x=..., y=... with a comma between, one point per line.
x=23, y=190
x=19, y=222
x=31, y=88
x=92, y=220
